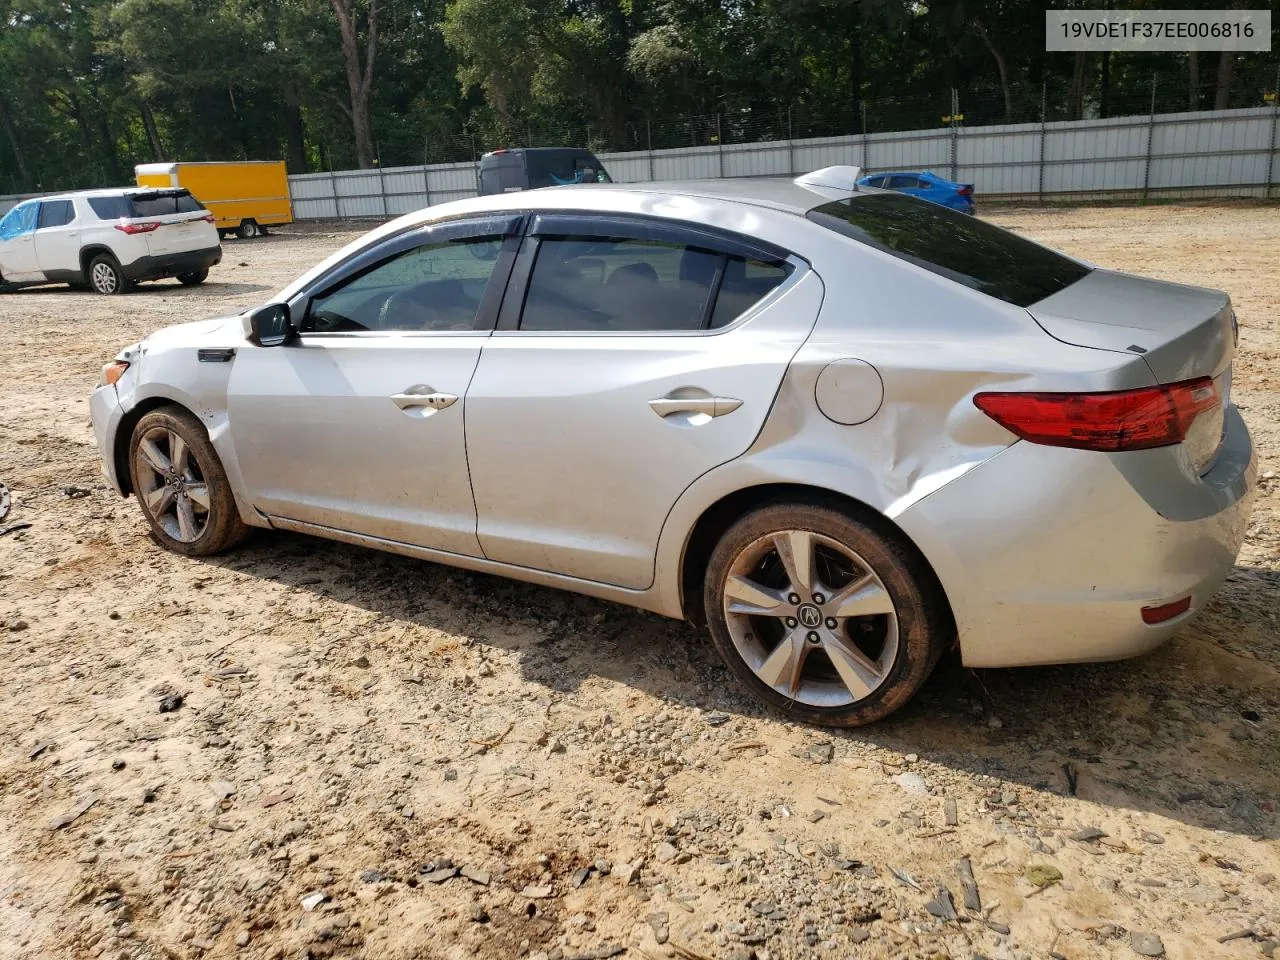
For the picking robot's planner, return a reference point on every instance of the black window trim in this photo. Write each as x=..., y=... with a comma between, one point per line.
x=640, y=227
x=507, y=225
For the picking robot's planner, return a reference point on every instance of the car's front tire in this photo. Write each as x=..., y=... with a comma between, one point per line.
x=194, y=278
x=106, y=277
x=825, y=617
x=181, y=486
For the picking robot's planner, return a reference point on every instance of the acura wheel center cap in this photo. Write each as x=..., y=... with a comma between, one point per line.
x=809, y=615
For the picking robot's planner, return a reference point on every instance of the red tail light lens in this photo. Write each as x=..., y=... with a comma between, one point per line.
x=132, y=228
x=1166, y=611
x=966, y=190
x=1110, y=422
x=207, y=218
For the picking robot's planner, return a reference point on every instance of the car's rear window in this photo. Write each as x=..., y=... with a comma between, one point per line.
x=164, y=204
x=159, y=204
x=952, y=244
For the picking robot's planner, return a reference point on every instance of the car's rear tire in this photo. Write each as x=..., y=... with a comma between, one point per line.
x=248, y=229
x=824, y=616
x=180, y=485
x=106, y=277
x=194, y=278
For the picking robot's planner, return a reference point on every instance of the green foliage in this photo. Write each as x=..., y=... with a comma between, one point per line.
x=88, y=88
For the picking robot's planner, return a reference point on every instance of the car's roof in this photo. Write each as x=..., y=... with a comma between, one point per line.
x=103, y=192
x=725, y=203
x=777, y=193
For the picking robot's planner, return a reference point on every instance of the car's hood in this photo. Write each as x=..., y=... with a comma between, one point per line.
x=1181, y=331
x=201, y=332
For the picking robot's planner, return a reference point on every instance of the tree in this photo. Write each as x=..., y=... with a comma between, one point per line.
x=352, y=21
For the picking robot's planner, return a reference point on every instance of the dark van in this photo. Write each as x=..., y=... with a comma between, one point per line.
x=526, y=168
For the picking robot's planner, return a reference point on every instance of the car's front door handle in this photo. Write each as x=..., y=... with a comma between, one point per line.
x=411, y=399
x=709, y=406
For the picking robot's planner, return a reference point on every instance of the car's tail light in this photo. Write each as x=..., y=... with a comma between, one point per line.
x=1114, y=421
x=966, y=190
x=207, y=218
x=132, y=228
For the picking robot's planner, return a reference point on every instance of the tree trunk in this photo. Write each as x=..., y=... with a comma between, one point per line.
x=1077, y=87
x=109, y=147
x=296, y=152
x=81, y=120
x=1104, y=85
x=153, y=135
x=855, y=66
x=1226, y=67
x=359, y=76
x=1001, y=66
x=1193, y=80
x=25, y=180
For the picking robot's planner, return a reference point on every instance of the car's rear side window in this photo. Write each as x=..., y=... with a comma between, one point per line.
x=111, y=208
x=621, y=284
x=955, y=245
x=56, y=213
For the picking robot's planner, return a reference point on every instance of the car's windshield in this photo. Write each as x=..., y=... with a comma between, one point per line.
x=955, y=245
x=21, y=219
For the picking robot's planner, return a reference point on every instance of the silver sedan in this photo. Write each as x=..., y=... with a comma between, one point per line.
x=844, y=429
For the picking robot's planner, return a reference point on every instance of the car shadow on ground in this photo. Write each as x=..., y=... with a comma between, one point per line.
x=1188, y=732
x=152, y=288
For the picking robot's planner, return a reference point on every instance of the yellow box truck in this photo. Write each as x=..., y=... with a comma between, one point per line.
x=245, y=197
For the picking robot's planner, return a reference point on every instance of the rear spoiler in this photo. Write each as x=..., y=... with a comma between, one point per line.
x=834, y=183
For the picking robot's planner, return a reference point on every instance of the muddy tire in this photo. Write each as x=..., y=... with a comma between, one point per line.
x=181, y=486
x=826, y=617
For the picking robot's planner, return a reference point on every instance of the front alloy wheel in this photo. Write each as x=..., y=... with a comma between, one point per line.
x=180, y=484
x=821, y=615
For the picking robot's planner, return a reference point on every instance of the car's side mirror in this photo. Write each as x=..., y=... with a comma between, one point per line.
x=271, y=326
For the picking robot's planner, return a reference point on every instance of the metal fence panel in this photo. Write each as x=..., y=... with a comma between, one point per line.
x=1227, y=152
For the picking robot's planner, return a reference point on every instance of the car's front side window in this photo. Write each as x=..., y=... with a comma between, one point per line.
x=434, y=287
x=21, y=219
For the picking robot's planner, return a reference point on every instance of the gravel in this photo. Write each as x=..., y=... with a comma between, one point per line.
x=544, y=742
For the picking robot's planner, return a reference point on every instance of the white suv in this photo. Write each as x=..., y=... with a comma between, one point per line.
x=108, y=240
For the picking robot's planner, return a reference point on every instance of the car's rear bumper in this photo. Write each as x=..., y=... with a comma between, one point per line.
x=172, y=264
x=106, y=413
x=1049, y=555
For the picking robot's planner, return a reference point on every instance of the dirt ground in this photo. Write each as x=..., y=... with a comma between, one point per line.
x=357, y=727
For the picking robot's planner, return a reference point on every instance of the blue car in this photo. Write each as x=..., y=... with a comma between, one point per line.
x=926, y=186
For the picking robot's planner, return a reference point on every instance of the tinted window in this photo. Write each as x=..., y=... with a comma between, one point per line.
x=56, y=213
x=433, y=287
x=21, y=219
x=902, y=183
x=111, y=208
x=745, y=283
x=875, y=181
x=957, y=246
x=616, y=284
x=553, y=169
x=164, y=204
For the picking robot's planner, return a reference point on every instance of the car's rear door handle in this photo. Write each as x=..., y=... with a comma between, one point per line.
x=710, y=406
x=416, y=397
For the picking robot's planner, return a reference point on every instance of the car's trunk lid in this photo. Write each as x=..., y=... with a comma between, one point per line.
x=1182, y=332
